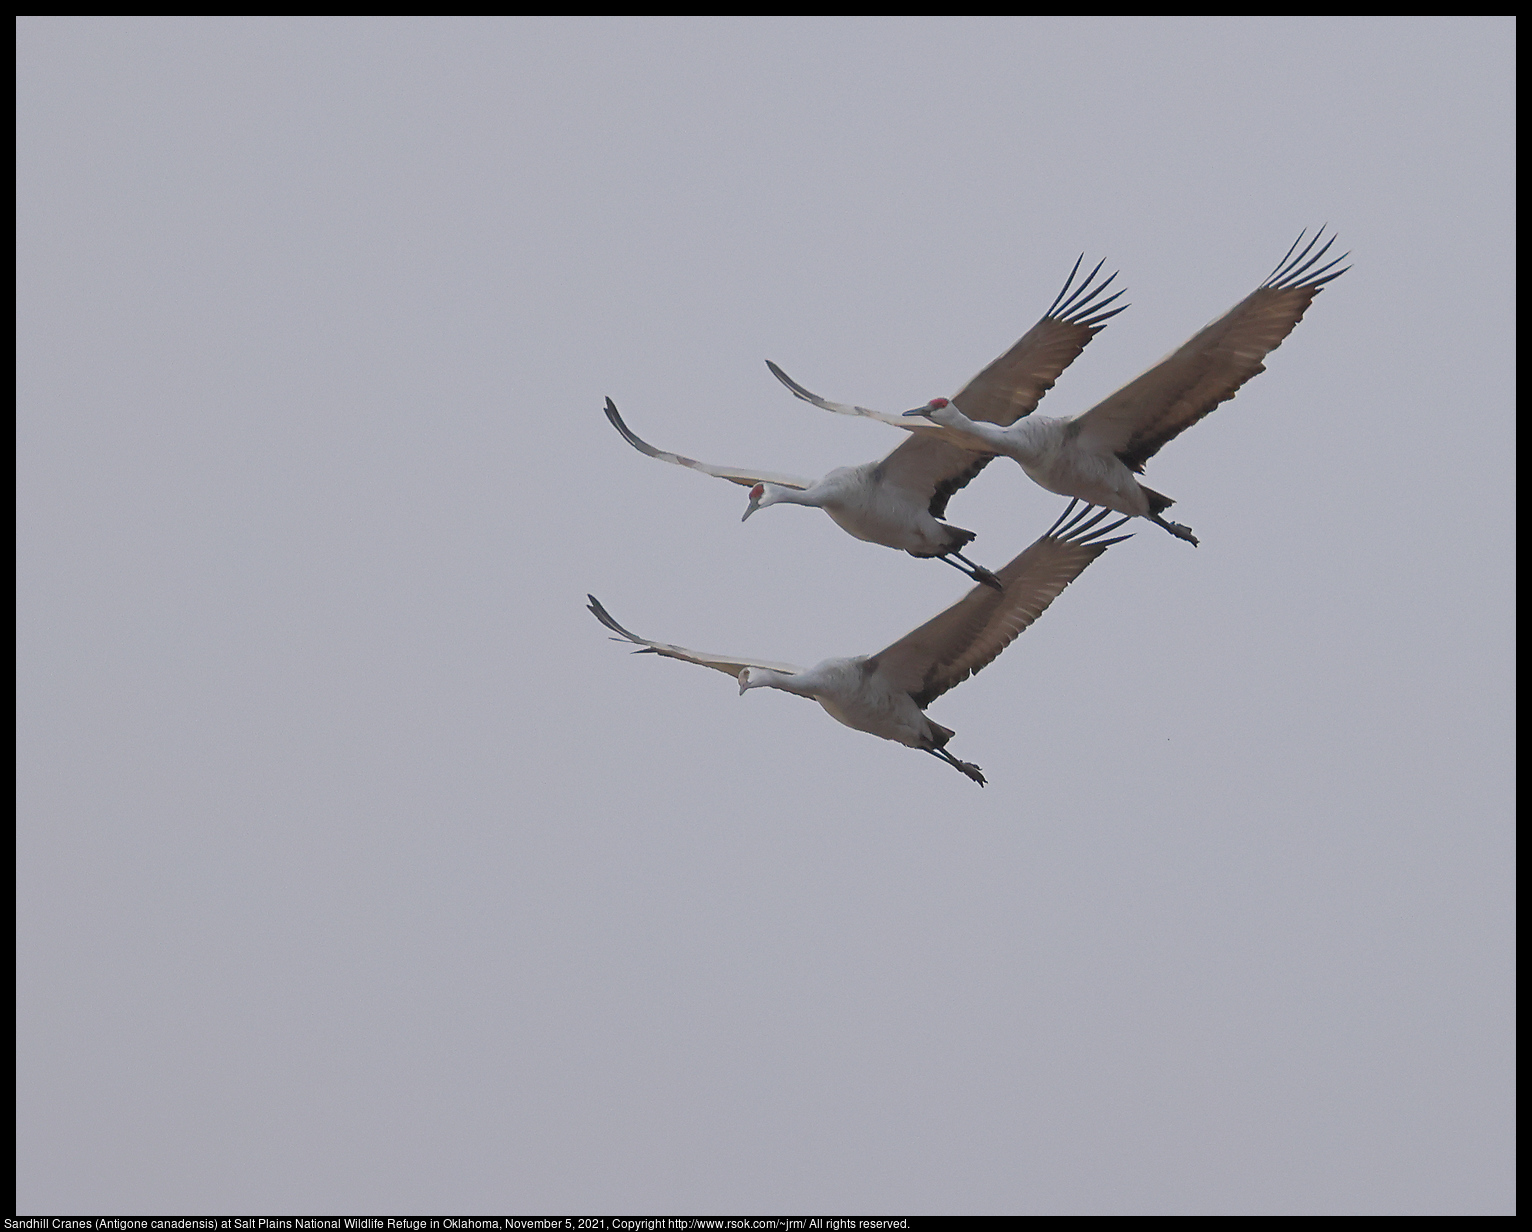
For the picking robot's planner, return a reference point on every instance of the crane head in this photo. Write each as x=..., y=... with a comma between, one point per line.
x=757, y=496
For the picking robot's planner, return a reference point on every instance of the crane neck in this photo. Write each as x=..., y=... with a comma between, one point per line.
x=788, y=682
x=795, y=496
x=1026, y=440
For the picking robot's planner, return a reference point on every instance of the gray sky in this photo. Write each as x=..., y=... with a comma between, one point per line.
x=358, y=870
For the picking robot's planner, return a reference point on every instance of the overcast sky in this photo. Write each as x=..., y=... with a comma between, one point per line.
x=359, y=871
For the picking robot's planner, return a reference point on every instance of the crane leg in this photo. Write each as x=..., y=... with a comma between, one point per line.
x=966, y=767
x=977, y=572
x=1175, y=528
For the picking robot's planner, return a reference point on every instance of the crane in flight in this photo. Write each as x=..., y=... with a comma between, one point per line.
x=1095, y=456
x=886, y=693
x=899, y=501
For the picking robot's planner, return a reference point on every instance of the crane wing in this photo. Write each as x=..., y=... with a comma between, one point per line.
x=1137, y=420
x=932, y=470
x=969, y=635
x=922, y=428
x=727, y=664
x=1014, y=384
x=746, y=479
x=840, y=408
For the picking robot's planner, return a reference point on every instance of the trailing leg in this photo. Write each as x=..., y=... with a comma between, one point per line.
x=976, y=572
x=1158, y=503
x=1175, y=528
x=979, y=572
x=966, y=767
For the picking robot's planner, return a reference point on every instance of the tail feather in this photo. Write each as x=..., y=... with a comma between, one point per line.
x=939, y=735
x=958, y=538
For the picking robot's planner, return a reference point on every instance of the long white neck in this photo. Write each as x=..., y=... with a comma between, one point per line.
x=1025, y=440
x=778, y=495
x=788, y=682
x=950, y=417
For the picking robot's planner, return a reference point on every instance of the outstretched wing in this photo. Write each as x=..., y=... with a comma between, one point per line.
x=1137, y=420
x=932, y=470
x=727, y=664
x=938, y=461
x=969, y=635
x=1014, y=384
x=920, y=427
x=746, y=479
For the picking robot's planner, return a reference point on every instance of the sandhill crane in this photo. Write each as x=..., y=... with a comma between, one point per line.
x=899, y=500
x=886, y=693
x=1095, y=455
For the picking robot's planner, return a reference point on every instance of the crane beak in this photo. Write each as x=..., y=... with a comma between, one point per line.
x=754, y=505
x=919, y=410
x=744, y=680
